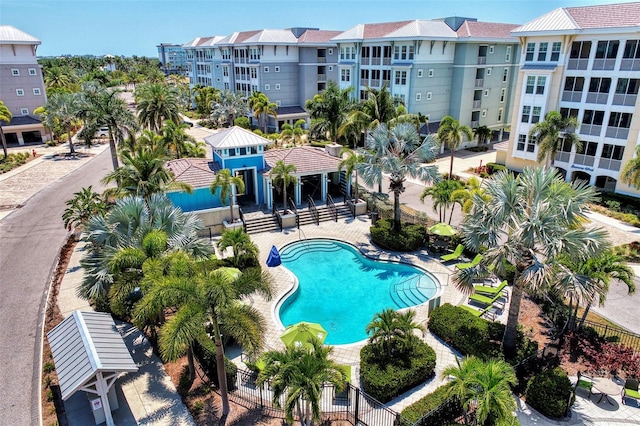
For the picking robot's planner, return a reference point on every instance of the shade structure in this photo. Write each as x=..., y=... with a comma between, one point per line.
x=299, y=334
x=443, y=229
x=274, y=257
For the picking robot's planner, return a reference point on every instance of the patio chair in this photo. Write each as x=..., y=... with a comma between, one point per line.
x=584, y=382
x=466, y=265
x=476, y=312
x=490, y=291
x=485, y=300
x=453, y=256
x=631, y=390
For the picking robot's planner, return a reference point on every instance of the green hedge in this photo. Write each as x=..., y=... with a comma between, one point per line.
x=430, y=402
x=208, y=363
x=385, y=378
x=495, y=167
x=549, y=392
x=411, y=237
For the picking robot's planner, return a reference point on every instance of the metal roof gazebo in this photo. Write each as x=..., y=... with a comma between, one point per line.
x=89, y=354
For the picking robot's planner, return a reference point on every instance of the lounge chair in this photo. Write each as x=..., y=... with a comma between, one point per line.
x=584, y=382
x=488, y=290
x=631, y=390
x=453, y=256
x=466, y=265
x=485, y=300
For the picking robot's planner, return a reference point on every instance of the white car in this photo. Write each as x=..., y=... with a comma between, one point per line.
x=102, y=132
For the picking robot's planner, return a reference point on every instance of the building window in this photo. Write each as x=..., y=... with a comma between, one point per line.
x=36, y=91
x=418, y=97
x=431, y=72
x=522, y=140
x=586, y=155
x=500, y=113
x=330, y=68
x=267, y=87
x=277, y=86
x=555, y=51
x=484, y=113
x=592, y=122
x=535, y=117
x=330, y=51
x=503, y=95
x=278, y=103
x=32, y=71
x=505, y=75
x=24, y=111
x=631, y=50
x=276, y=69
x=217, y=66
x=607, y=49
x=599, y=90
x=227, y=86
x=225, y=71
x=218, y=79
x=345, y=75
x=531, y=83
x=266, y=69
x=401, y=78
x=531, y=144
x=540, y=85
x=15, y=71
x=253, y=72
x=542, y=52
x=420, y=72
x=526, y=114
x=531, y=48
x=429, y=95
x=491, y=49
x=486, y=92
x=19, y=92
x=488, y=71
x=507, y=54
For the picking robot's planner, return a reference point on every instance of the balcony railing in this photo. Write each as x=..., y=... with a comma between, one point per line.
x=322, y=59
x=386, y=83
x=604, y=64
x=591, y=129
x=626, y=100
x=386, y=61
x=365, y=61
x=630, y=65
x=482, y=60
x=578, y=64
x=584, y=160
x=609, y=164
x=571, y=96
x=475, y=124
x=322, y=77
x=597, y=98
x=563, y=157
x=477, y=104
x=375, y=82
x=617, y=132
x=479, y=82
x=375, y=61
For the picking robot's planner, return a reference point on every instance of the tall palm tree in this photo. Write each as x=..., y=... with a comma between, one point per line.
x=244, y=250
x=146, y=141
x=175, y=138
x=5, y=117
x=143, y=174
x=299, y=373
x=487, y=384
x=59, y=79
x=63, y=109
x=204, y=97
x=157, y=102
x=452, y=133
x=228, y=106
x=482, y=133
x=393, y=331
x=84, y=205
x=442, y=195
x=328, y=110
x=527, y=221
x=399, y=153
x=552, y=133
x=283, y=174
x=262, y=108
x=225, y=182
x=295, y=132
x=350, y=165
x=631, y=171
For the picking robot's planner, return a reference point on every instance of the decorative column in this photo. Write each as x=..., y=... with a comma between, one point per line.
x=323, y=187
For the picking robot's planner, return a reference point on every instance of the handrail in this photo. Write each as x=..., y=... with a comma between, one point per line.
x=244, y=224
x=292, y=206
x=352, y=207
x=276, y=213
x=332, y=207
x=313, y=210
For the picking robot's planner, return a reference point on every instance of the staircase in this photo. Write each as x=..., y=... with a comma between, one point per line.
x=261, y=223
x=266, y=223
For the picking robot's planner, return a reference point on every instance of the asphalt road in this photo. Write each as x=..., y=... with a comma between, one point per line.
x=30, y=240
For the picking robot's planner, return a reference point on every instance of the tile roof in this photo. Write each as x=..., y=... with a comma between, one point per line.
x=211, y=41
x=197, y=172
x=198, y=41
x=403, y=29
x=235, y=137
x=318, y=36
x=308, y=160
x=267, y=37
x=471, y=29
x=12, y=35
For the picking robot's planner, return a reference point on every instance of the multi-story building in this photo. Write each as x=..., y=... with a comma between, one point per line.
x=583, y=62
x=173, y=58
x=451, y=66
x=21, y=85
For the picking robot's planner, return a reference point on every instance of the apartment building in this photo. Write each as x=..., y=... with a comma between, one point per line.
x=21, y=85
x=452, y=66
x=583, y=62
x=173, y=58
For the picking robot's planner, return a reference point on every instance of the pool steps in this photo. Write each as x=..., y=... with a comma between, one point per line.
x=293, y=254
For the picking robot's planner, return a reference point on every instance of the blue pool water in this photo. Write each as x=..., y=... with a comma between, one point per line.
x=342, y=290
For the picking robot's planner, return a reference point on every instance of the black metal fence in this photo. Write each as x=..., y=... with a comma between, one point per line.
x=616, y=334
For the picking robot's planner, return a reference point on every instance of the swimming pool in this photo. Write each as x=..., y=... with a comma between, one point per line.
x=341, y=289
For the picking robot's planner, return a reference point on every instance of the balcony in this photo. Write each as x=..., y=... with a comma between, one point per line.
x=477, y=104
x=321, y=59
x=571, y=96
x=375, y=82
x=591, y=129
x=630, y=65
x=597, y=98
x=322, y=77
x=386, y=61
x=386, y=83
x=604, y=64
x=479, y=82
x=375, y=61
x=475, y=124
x=563, y=157
x=617, y=132
x=578, y=64
x=365, y=61
x=482, y=60
x=626, y=100
x=609, y=164
x=584, y=160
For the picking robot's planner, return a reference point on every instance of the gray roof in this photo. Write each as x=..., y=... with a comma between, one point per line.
x=12, y=35
x=236, y=137
x=84, y=344
x=23, y=120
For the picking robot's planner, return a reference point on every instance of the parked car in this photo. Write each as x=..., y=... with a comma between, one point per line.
x=102, y=132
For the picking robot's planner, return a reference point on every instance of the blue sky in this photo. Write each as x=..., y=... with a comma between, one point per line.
x=135, y=27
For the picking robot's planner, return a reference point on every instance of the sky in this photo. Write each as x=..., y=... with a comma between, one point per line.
x=136, y=27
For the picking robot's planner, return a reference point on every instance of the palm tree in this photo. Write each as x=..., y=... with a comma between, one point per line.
x=393, y=331
x=63, y=109
x=283, y=174
x=146, y=141
x=143, y=174
x=244, y=250
x=328, y=110
x=175, y=138
x=59, y=79
x=548, y=135
x=487, y=384
x=299, y=373
x=262, y=108
x=350, y=165
x=399, y=153
x=207, y=299
x=451, y=133
x=157, y=102
x=442, y=195
x=84, y=205
x=228, y=106
x=204, y=97
x=5, y=117
x=631, y=171
x=482, y=133
x=225, y=182
x=527, y=221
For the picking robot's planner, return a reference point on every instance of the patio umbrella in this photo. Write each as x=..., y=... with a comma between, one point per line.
x=443, y=229
x=300, y=333
x=274, y=257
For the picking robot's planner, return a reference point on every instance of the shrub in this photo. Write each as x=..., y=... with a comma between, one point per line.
x=385, y=378
x=48, y=367
x=411, y=237
x=428, y=403
x=320, y=144
x=242, y=122
x=207, y=361
x=479, y=148
x=549, y=392
x=495, y=168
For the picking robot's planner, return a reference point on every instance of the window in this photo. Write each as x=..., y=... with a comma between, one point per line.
x=253, y=72
x=267, y=87
x=227, y=85
x=429, y=95
x=531, y=82
x=580, y=50
x=535, y=117
x=500, y=114
x=491, y=49
x=403, y=52
x=431, y=72
x=526, y=114
x=330, y=68
x=348, y=53
x=585, y=156
x=277, y=86
x=32, y=71
x=531, y=48
x=507, y=54
x=488, y=71
x=503, y=95
x=484, y=113
x=276, y=69
x=614, y=152
x=420, y=72
x=345, y=75
x=593, y=117
x=15, y=71
x=486, y=92
x=225, y=71
x=505, y=75
x=19, y=92
x=266, y=69
x=522, y=139
x=254, y=54
x=540, y=85
x=620, y=119
x=555, y=50
x=401, y=78
x=607, y=49
x=418, y=97
x=36, y=91
x=542, y=51
x=574, y=84
x=330, y=51
x=599, y=90
x=569, y=112
x=531, y=144
x=631, y=50
x=24, y=111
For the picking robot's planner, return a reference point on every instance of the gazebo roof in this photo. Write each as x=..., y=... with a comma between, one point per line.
x=235, y=137
x=84, y=344
x=308, y=160
x=197, y=172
